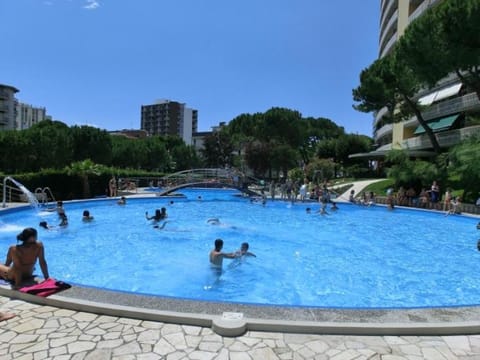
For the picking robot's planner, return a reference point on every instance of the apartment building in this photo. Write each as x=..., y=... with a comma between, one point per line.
x=15, y=115
x=166, y=117
x=7, y=107
x=27, y=115
x=452, y=111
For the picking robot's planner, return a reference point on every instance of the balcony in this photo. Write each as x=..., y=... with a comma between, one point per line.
x=445, y=139
x=4, y=94
x=380, y=114
x=420, y=9
x=383, y=131
x=386, y=11
x=3, y=120
x=463, y=103
x=386, y=30
x=388, y=46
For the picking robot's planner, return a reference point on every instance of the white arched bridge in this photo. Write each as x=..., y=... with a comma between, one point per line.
x=208, y=178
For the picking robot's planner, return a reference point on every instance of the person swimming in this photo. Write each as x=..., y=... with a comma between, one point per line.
x=64, y=220
x=308, y=210
x=334, y=206
x=159, y=215
x=216, y=255
x=243, y=251
x=44, y=225
x=86, y=216
x=122, y=201
x=160, y=227
x=214, y=221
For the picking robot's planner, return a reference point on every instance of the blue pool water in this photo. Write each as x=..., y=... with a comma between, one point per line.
x=356, y=257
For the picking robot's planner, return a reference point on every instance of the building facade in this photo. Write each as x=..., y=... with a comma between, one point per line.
x=15, y=115
x=7, y=107
x=28, y=115
x=167, y=117
x=452, y=112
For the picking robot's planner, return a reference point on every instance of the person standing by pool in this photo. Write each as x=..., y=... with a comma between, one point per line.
x=435, y=193
x=112, y=187
x=21, y=258
x=217, y=256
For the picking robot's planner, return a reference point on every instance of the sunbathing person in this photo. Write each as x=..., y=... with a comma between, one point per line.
x=21, y=259
x=86, y=216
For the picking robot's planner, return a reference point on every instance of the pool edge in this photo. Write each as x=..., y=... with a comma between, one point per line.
x=237, y=327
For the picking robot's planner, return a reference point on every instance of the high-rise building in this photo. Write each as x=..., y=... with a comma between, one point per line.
x=28, y=115
x=15, y=115
x=451, y=110
x=167, y=117
x=7, y=107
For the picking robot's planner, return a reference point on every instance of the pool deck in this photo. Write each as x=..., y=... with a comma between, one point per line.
x=46, y=332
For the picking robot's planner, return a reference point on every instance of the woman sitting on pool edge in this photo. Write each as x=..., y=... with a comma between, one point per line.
x=21, y=258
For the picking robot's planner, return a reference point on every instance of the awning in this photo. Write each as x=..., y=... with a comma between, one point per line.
x=380, y=154
x=438, y=124
x=447, y=92
x=444, y=93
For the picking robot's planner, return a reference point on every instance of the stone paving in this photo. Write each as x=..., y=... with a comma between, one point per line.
x=44, y=332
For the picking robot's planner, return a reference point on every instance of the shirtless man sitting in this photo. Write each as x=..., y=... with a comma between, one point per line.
x=217, y=256
x=21, y=259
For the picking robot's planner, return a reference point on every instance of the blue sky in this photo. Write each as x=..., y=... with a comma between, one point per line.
x=97, y=61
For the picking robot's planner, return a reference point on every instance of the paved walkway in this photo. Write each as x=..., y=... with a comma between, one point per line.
x=43, y=332
x=358, y=186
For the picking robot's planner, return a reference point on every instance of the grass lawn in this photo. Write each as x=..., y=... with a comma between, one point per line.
x=379, y=188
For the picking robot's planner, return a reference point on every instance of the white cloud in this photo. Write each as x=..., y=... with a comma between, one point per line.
x=91, y=5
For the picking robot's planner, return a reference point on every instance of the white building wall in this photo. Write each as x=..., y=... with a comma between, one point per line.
x=187, y=125
x=28, y=115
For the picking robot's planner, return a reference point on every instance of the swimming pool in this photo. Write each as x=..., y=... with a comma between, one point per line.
x=356, y=258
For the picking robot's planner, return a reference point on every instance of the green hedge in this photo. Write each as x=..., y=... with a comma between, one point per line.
x=68, y=187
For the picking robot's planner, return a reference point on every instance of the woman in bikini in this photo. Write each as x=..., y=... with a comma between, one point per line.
x=21, y=258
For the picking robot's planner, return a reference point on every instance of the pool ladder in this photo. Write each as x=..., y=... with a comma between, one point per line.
x=45, y=196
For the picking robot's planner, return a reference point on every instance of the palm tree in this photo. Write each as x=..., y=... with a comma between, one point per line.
x=84, y=169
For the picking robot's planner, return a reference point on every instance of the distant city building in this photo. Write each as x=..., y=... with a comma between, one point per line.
x=198, y=138
x=130, y=133
x=167, y=117
x=28, y=115
x=7, y=107
x=15, y=115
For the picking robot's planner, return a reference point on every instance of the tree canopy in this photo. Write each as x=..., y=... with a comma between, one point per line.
x=52, y=144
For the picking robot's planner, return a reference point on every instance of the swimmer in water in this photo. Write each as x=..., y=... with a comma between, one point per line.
x=244, y=251
x=217, y=256
x=323, y=209
x=159, y=215
x=86, y=216
x=64, y=220
x=334, y=206
x=308, y=210
x=214, y=221
x=43, y=224
x=122, y=201
x=160, y=227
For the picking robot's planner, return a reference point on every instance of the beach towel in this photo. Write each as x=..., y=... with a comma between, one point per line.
x=46, y=288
